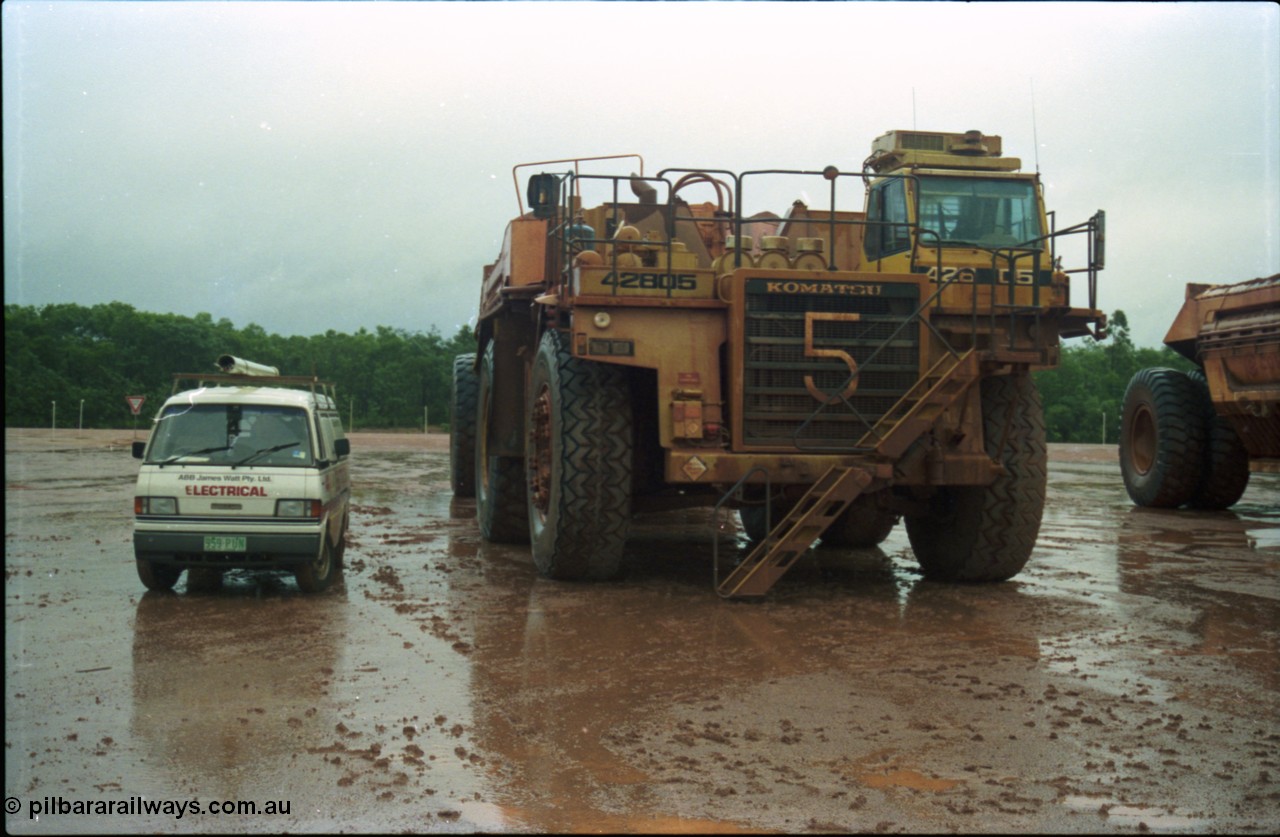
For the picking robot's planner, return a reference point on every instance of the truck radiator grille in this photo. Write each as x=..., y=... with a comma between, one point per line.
x=778, y=409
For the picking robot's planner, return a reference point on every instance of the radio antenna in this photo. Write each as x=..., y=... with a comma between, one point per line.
x=1035, y=138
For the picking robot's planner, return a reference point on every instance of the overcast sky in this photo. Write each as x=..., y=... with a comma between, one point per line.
x=316, y=166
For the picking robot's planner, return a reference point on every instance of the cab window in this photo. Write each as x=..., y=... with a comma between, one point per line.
x=887, y=230
x=978, y=211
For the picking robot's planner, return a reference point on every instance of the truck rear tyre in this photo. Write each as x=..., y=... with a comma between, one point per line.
x=578, y=443
x=986, y=533
x=499, y=480
x=755, y=521
x=864, y=524
x=462, y=427
x=315, y=575
x=1225, y=468
x=1162, y=438
x=157, y=576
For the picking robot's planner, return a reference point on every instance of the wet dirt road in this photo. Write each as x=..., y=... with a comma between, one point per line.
x=1128, y=680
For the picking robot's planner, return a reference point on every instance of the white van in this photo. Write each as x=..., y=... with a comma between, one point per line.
x=247, y=470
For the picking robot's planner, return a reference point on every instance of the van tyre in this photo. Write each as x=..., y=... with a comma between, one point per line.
x=157, y=576
x=462, y=426
x=315, y=575
x=1163, y=433
x=1224, y=472
x=340, y=551
x=578, y=444
x=501, y=508
x=987, y=533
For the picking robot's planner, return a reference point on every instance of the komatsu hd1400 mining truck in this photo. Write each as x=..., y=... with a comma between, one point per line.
x=653, y=341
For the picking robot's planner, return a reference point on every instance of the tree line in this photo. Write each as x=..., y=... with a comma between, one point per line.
x=71, y=355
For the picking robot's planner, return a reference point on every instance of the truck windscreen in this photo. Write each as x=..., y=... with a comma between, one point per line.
x=978, y=211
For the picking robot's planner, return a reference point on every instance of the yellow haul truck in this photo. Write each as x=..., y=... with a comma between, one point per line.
x=647, y=342
x=1193, y=438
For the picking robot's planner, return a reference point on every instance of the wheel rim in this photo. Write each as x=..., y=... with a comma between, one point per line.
x=540, y=450
x=1142, y=440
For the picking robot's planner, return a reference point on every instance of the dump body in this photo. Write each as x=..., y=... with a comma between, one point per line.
x=1233, y=333
x=754, y=357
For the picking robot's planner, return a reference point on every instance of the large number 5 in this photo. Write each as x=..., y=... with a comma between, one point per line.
x=812, y=351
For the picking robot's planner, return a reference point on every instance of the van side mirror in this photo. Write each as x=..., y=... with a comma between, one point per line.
x=342, y=447
x=139, y=448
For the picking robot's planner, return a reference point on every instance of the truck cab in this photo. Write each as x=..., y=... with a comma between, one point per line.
x=247, y=470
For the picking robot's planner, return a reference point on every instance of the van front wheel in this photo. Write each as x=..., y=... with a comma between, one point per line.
x=157, y=576
x=315, y=575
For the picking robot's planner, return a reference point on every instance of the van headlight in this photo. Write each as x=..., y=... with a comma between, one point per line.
x=298, y=508
x=155, y=505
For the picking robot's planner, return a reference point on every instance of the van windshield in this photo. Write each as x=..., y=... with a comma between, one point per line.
x=231, y=434
x=980, y=211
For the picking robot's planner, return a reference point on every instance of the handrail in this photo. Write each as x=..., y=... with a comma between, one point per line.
x=724, y=498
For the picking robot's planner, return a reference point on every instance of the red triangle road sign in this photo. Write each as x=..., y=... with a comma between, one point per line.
x=135, y=402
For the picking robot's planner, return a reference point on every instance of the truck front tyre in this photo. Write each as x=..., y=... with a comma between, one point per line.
x=1162, y=438
x=315, y=575
x=987, y=533
x=499, y=480
x=157, y=576
x=578, y=444
x=462, y=427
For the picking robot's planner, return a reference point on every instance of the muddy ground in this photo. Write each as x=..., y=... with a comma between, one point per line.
x=1127, y=681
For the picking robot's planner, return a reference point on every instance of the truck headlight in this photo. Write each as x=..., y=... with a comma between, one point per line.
x=155, y=505
x=298, y=508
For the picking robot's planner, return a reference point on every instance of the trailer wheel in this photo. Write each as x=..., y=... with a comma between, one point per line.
x=499, y=480
x=986, y=533
x=462, y=427
x=864, y=524
x=579, y=449
x=315, y=575
x=1162, y=438
x=1225, y=474
x=157, y=576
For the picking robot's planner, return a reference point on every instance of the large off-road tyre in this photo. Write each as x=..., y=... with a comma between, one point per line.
x=157, y=576
x=578, y=445
x=462, y=426
x=986, y=533
x=316, y=575
x=1224, y=474
x=1162, y=438
x=501, y=507
x=866, y=523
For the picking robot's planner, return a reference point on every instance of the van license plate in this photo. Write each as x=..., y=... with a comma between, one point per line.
x=217, y=543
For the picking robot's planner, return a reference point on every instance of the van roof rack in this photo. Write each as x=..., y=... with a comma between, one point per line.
x=231, y=379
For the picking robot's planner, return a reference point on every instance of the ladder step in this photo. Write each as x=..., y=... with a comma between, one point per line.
x=825, y=500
